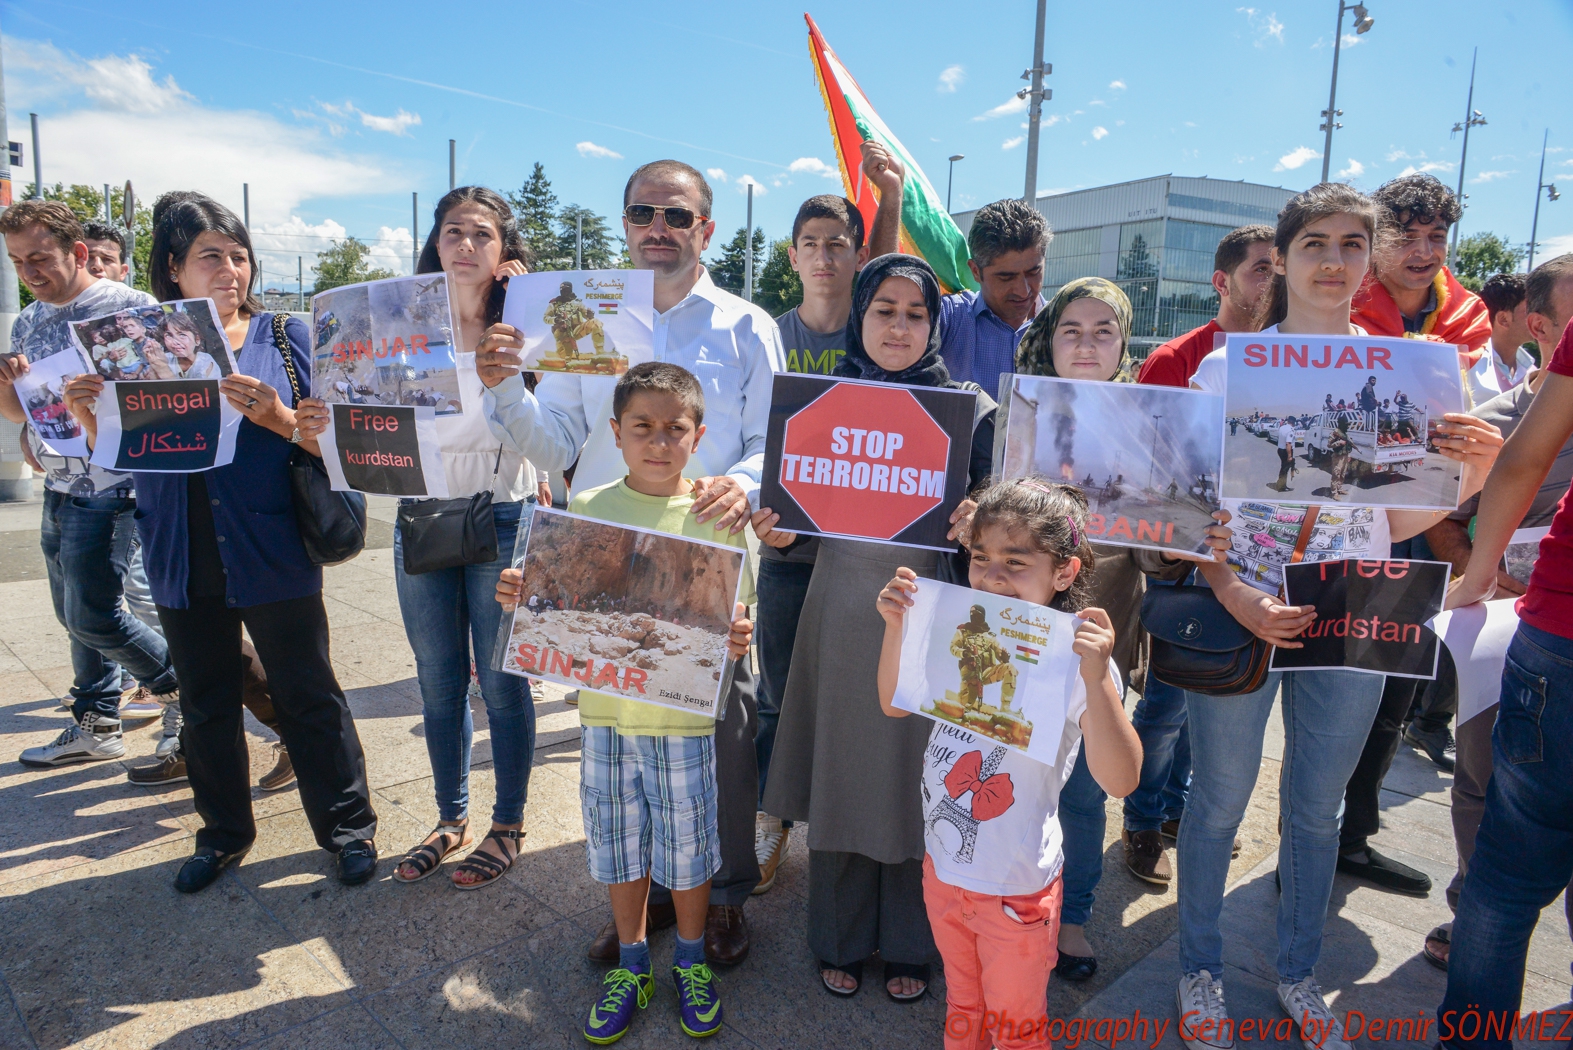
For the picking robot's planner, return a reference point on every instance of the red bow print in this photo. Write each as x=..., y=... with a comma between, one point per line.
x=990, y=797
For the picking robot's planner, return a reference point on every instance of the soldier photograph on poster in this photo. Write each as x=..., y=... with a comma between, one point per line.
x=584, y=322
x=1146, y=456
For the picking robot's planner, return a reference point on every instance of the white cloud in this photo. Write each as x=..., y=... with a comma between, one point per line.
x=950, y=78
x=398, y=124
x=1005, y=109
x=1013, y=143
x=1354, y=171
x=1551, y=247
x=1492, y=176
x=1099, y=132
x=1116, y=85
x=1295, y=159
x=279, y=244
x=121, y=83
x=1264, y=25
x=1398, y=154
x=814, y=166
x=744, y=181
x=719, y=174
x=590, y=149
x=1430, y=165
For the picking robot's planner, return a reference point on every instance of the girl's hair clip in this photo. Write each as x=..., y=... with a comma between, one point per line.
x=1075, y=532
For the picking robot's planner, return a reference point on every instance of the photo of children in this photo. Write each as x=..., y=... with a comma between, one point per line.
x=387, y=343
x=622, y=611
x=1147, y=457
x=588, y=322
x=1340, y=419
x=174, y=340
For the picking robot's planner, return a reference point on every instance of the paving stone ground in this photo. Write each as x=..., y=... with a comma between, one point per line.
x=97, y=950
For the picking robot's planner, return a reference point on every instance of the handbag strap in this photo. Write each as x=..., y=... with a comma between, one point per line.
x=1307, y=526
x=281, y=341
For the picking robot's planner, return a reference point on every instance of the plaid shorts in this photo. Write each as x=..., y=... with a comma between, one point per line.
x=649, y=807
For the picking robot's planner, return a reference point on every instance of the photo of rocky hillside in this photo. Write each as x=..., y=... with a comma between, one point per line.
x=623, y=611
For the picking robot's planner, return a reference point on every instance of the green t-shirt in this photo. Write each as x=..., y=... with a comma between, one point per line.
x=621, y=505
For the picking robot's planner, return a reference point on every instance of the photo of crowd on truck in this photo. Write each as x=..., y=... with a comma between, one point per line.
x=1363, y=437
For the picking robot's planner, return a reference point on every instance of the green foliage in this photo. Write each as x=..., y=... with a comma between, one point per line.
x=88, y=204
x=778, y=288
x=535, y=207
x=727, y=271
x=600, y=250
x=1482, y=255
x=345, y=263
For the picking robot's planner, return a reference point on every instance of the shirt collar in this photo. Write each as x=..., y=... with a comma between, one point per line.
x=979, y=306
x=704, y=288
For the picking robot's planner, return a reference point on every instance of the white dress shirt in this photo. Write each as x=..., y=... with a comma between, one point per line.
x=733, y=348
x=1491, y=377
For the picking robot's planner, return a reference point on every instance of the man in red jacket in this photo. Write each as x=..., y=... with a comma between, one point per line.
x=1242, y=268
x=1414, y=293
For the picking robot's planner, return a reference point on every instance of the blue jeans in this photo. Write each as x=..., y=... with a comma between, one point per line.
x=87, y=545
x=1159, y=720
x=1524, y=850
x=783, y=585
x=446, y=613
x=1082, y=821
x=1327, y=716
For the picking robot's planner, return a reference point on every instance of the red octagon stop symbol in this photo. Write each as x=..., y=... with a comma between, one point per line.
x=865, y=460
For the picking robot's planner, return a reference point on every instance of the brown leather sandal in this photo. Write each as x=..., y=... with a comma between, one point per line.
x=484, y=864
x=428, y=856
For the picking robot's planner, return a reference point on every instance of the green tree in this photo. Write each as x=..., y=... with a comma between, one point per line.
x=345, y=262
x=601, y=250
x=779, y=288
x=727, y=271
x=1481, y=255
x=535, y=206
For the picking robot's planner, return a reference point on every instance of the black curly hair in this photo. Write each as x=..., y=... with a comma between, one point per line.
x=513, y=246
x=1054, y=515
x=1419, y=198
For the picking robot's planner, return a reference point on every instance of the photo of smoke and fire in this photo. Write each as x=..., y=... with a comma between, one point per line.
x=1147, y=457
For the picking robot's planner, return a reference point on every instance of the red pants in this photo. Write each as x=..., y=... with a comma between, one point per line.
x=996, y=967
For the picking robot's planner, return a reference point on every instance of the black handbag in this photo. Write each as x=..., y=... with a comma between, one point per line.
x=447, y=533
x=332, y=524
x=1197, y=645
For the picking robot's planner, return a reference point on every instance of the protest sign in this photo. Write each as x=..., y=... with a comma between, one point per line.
x=1354, y=416
x=1477, y=637
x=42, y=394
x=870, y=461
x=1370, y=616
x=623, y=611
x=588, y=322
x=165, y=426
x=387, y=343
x=181, y=339
x=1147, y=457
x=999, y=667
x=387, y=450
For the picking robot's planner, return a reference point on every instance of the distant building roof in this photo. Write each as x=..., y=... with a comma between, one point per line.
x=1221, y=201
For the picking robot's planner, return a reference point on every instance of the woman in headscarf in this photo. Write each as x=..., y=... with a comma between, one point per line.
x=839, y=763
x=1085, y=334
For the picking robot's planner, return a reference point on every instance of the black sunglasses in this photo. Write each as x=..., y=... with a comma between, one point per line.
x=676, y=218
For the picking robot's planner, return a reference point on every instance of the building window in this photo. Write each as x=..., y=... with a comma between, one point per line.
x=1184, y=305
x=1140, y=243
x=1250, y=212
x=1071, y=254
x=1143, y=295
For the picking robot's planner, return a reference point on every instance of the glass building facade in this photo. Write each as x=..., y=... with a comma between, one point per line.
x=1155, y=238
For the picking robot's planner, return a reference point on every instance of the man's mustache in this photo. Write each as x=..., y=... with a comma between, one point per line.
x=658, y=242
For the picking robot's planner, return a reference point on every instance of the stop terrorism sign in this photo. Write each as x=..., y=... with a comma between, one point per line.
x=873, y=461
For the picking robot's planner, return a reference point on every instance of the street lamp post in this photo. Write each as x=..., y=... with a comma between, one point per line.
x=1036, y=94
x=1330, y=115
x=951, y=178
x=1551, y=195
x=1472, y=119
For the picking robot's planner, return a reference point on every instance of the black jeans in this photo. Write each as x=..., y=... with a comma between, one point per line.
x=1362, y=809
x=314, y=719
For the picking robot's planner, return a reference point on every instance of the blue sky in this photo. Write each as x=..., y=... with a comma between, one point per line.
x=334, y=113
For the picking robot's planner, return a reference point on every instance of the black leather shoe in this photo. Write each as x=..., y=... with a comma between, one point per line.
x=204, y=868
x=357, y=863
x=1075, y=967
x=1438, y=745
x=1385, y=872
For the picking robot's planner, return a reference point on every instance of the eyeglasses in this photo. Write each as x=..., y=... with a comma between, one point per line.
x=676, y=218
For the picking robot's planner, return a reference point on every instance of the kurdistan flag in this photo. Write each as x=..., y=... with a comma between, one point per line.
x=927, y=230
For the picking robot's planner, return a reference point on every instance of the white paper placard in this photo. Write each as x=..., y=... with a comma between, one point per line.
x=1478, y=636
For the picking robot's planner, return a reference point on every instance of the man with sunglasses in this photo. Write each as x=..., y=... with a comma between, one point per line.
x=734, y=349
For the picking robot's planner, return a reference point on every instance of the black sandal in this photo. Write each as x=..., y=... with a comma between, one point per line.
x=487, y=866
x=852, y=970
x=1075, y=967
x=1443, y=934
x=917, y=971
x=427, y=857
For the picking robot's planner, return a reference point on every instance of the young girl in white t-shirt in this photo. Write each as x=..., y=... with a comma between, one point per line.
x=991, y=873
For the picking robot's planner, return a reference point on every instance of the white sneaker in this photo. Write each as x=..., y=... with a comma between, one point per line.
x=770, y=846
x=169, y=743
x=1319, y=1029
x=1204, y=1022
x=95, y=739
x=138, y=703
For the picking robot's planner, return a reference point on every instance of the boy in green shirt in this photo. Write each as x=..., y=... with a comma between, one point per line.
x=648, y=782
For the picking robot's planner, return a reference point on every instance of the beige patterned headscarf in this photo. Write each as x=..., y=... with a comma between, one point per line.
x=1035, y=352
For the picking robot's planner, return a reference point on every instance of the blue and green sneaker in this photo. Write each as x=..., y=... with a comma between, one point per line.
x=698, y=1004
x=623, y=991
